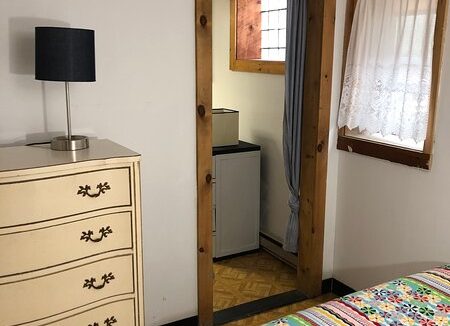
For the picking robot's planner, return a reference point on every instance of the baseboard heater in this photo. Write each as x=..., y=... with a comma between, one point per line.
x=275, y=248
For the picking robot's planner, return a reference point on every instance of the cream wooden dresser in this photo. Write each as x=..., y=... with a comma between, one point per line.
x=70, y=236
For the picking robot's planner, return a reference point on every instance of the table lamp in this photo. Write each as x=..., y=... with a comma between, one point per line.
x=65, y=55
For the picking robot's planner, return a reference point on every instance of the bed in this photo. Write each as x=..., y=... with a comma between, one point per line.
x=419, y=299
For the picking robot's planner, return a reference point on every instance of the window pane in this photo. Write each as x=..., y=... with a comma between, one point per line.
x=264, y=39
x=279, y=4
x=283, y=4
x=282, y=54
x=282, y=19
x=282, y=38
x=264, y=20
x=273, y=4
x=273, y=29
x=273, y=54
x=273, y=38
x=273, y=19
x=264, y=5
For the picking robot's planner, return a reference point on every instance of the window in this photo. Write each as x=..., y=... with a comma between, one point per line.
x=273, y=30
x=390, y=82
x=258, y=35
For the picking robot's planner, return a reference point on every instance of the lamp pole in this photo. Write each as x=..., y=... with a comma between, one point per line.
x=69, y=126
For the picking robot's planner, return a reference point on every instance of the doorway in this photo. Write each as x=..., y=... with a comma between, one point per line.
x=249, y=184
x=320, y=35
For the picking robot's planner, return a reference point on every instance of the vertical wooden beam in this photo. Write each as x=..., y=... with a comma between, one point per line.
x=438, y=52
x=315, y=132
x=203, y=38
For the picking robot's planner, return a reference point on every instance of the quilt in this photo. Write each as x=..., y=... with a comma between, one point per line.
x=419, y=299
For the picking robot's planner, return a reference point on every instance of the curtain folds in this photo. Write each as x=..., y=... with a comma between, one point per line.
x=387, y=79
x=294, y=76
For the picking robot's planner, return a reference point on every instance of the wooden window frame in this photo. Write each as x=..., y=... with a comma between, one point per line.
x=314, y=154
x=260, y=66
x=397, y=154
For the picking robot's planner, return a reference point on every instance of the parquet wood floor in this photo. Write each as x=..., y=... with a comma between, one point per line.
x=280, y=312
x=250, y=277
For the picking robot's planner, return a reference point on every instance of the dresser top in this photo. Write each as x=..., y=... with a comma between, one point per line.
x=36, y=156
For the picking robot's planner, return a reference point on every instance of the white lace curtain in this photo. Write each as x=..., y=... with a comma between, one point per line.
x=387, y=78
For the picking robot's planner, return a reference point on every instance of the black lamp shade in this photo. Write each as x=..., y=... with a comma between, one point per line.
x=65, y=54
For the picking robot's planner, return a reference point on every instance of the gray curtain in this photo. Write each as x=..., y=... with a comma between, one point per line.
x=295, y=70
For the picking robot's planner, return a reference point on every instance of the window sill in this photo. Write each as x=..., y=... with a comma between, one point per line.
x=260, y=66
x=386, y=152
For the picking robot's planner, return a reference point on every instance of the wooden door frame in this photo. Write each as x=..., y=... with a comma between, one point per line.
x=315, y=135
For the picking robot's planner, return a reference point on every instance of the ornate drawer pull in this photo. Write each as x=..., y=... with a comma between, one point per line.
x=90, y=283
x=102, y=187
x=107, y=322
x=87, y=236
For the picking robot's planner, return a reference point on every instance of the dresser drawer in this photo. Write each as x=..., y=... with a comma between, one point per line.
x=49, y=295
x=64, y=242
x=47, y=198
x=117, y=313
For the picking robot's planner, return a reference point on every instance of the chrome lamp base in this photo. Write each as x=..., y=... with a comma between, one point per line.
x=63, y=143
x=69, y=142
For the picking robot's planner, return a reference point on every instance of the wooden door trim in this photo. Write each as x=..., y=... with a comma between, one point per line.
x=321, y=14
x=203, y=47
x=315, y=135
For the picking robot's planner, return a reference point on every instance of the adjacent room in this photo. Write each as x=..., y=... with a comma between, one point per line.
x=224, y=162
x=250, y=191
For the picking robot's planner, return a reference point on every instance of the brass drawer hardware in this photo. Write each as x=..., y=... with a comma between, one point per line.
x=87, y=236
x=107, y=322
x=102, y=187
x=90, y=283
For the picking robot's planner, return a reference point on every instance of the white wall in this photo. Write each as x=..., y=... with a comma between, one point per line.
x=144, y=98
x=392, y=219
x=259, y=98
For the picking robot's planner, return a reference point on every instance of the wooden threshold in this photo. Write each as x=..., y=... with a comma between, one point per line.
x=256, y=307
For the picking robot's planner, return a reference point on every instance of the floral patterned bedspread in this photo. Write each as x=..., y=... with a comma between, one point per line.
x=419, y=299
